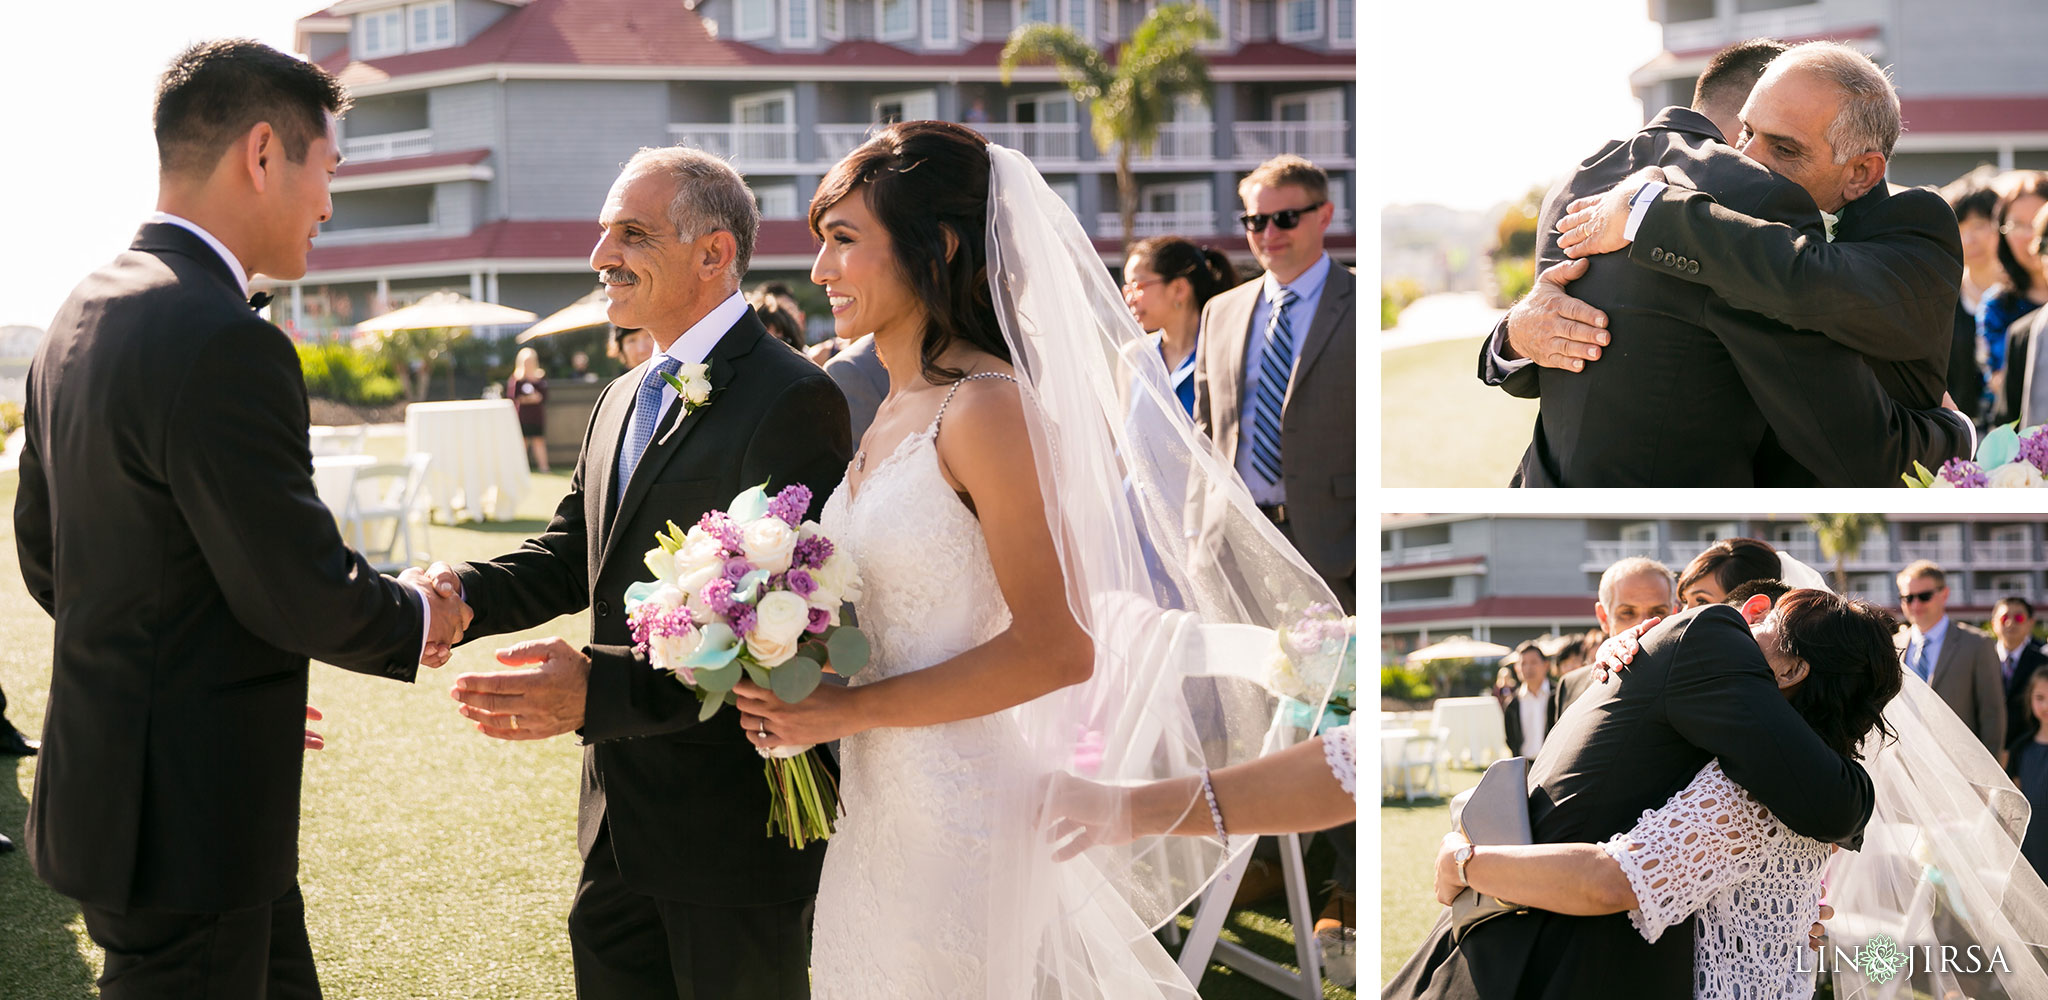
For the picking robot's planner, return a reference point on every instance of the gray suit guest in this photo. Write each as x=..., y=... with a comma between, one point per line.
x=1959, y=662
x=859, y=373
x=1275, y=382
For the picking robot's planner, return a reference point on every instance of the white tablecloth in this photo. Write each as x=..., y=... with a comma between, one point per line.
x=334, y=476
x=479, y=466
x=1479, y=735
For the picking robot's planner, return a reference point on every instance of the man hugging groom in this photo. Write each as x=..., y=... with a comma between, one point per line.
x=1780, y=317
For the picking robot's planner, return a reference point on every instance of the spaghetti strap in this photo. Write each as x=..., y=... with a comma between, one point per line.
x=948, y=401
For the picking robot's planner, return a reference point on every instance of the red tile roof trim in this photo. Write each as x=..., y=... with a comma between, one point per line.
x=456, y=159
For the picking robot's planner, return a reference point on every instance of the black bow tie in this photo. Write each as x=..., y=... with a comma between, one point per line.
x=259, y=300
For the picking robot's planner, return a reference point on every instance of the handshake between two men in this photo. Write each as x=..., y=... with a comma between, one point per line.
x=545, y=699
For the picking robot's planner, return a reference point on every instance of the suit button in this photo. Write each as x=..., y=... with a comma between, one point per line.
x=603, y=609
x=1657, y=256
x=1692, y=267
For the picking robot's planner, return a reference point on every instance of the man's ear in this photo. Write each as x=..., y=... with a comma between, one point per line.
x=1865, y=172
x=1800, y=668
x=1600, y=615
x=719, y=250
x=1754, y=609
x=257, y=151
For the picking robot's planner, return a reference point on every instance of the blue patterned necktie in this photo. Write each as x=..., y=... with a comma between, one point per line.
x=646, y=410
x=1276, y=365
x=1920, y=657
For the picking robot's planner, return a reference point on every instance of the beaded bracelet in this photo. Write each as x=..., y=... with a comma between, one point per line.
x=1215, y=811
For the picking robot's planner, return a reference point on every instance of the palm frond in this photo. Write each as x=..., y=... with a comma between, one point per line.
x=1081, y=68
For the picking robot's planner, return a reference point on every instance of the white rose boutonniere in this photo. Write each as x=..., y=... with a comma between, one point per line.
x=693, y=389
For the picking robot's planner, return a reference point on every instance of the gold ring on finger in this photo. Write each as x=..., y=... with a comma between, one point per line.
x=515, y=721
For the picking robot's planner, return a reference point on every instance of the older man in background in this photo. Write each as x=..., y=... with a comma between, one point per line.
x=1632, y=591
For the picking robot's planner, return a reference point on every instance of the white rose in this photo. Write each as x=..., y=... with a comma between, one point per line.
x=696, y=385
x=692, y=587
x=1940, y=483
x=667, y=652
x=779, y=620
x=700, y=549
x=768, y=543
x=661, y=564
x=2016, y=475
x=837, y=583
x=668, y=597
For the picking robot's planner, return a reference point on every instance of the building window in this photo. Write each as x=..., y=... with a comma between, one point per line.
x=778, y=201
x=1070, y=192
x=1080, y=17
x=910, y=106
x=1300, y=20
x=383, y=33
x=897, y=21
x=1034, y=12
x=1343, y=23
x=753, y=19
x=970, y=20
x=433, y=25
x=796, y=23
x=939, y=23
x=832, y=19
x=1219, y=12
x=763, y=129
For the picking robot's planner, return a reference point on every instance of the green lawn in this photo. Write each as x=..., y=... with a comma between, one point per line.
x=436, y=863
x=1440, y=426
x=1409, y=835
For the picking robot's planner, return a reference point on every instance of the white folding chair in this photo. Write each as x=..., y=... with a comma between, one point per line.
x=389, y=492
x=1423, y=754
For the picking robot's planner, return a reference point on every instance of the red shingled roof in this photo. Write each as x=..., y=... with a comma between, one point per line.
x=1974, y=114
x=462, y=157
x=639, y=33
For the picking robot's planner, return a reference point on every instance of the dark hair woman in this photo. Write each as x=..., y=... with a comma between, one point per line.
x=1724, y=566
x=1167, y=281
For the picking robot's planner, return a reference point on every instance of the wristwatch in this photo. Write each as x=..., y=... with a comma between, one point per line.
x=1462, y=855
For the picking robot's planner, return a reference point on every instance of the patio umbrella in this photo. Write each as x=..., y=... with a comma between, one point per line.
x=445, y=310
x=1460, y=647
x=581, y=314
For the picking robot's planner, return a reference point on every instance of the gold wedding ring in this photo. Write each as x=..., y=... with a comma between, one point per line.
x=515, y=722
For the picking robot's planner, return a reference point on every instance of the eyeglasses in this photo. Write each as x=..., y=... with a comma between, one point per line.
x=1287, y=219
x=1915, y=598
x=1132, y=285
x=2009, y=617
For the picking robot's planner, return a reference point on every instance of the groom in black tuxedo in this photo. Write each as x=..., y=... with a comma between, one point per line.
x=167, y=519
x=1698, y=689
x=683, y=894
x=1755, y=402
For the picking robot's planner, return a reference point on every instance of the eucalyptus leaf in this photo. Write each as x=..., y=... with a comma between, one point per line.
x=712, y=703
x=795, y=678
x=721, y=680
x=756, y=672
x=750, y=506
x=849, y=650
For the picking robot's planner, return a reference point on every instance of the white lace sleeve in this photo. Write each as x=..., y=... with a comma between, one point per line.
x=1709, y=836
x=1342, y=756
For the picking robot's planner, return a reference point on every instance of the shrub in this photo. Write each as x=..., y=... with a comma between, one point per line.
x=341, y=373
x=10, y=417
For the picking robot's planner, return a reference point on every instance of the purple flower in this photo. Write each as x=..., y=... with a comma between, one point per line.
x=799, y=582
x=790, y=504
x=720, y=525
x=736, y=569
x=2034, y=450
x=1964, y=474
x=717, y=596
x=811, y=553
x=742, y=619
x=821, y=620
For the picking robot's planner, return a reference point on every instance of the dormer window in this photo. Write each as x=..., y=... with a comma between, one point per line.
x=406, y=28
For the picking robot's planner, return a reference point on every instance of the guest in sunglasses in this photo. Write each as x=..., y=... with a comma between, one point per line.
x=2019, y=655
x=1275, y=381
x=1959, y=662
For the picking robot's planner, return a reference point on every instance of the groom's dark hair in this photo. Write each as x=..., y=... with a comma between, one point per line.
x=1852, y=666
x=1733, y=73
x=215, y=92
x=1774, y=589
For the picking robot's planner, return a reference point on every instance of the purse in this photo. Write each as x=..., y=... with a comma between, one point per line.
x=1494, y=812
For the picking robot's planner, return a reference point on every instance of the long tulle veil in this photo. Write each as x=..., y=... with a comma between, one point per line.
x=1197, y=607
x=1938, y=901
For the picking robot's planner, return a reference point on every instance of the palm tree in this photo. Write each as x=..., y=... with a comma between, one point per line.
x=1127, y=101
x=1840, y=535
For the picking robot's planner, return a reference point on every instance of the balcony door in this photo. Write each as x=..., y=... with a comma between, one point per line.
x=915, y=105
x=764, y=127
x=1319, y=116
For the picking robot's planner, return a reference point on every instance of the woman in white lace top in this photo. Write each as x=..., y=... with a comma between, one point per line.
x=1711, y=851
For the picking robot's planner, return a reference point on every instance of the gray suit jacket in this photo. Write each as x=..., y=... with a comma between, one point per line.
x=1967, y=676
x=1319, y=425
x=858, y=371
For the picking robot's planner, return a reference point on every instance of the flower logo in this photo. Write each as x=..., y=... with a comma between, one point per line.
x=1881, y=960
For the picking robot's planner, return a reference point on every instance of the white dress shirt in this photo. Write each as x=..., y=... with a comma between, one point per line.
x=234, y=264
x=1308, y=293
x=690, y=349
x=1534, y=704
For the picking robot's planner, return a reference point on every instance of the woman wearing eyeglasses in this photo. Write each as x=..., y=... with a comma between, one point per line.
x=1167, y=281
x=2021, y=196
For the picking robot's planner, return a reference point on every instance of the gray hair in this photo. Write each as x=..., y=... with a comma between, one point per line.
x=1626, y=568
x=1868, y=121
x=710, y=197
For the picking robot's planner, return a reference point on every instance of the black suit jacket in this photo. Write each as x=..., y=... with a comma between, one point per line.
x=1686, y=364
x=1699, y=690
x=674, y=792
x=167, y=519
x=2019, y=716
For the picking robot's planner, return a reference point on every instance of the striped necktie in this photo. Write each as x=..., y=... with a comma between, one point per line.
x=1276, y=365
x=646, y=410
x=1920, y=657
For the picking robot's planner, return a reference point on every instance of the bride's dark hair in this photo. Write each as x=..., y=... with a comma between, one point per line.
x=925, y=179
x=1732, y=562
x=1852, y=666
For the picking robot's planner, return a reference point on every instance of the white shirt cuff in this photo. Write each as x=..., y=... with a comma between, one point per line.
x=1639, y=206
x=426, y=622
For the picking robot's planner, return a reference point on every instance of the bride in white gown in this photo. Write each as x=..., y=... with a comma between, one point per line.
x=1002, y=509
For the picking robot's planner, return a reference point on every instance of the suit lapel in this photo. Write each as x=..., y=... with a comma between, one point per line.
x=1322, y=328
x=1949, y=636
x=1226, y=384
x=607, y=436
x=675, y=427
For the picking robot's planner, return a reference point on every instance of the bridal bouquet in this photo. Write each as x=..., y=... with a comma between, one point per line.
x=754, y=591
x=2006, y=458
x=1314, y=654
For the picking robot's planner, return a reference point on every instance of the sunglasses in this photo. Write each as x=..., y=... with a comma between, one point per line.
x=2010, y=617
x=1925, y=595
x=1285, y=219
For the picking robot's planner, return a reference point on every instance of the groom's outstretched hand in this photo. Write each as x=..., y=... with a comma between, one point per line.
x=543, y=700
x=442, y=591
x=1553, y=329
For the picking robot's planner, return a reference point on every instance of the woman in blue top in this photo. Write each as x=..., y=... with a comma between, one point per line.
x=1167, y=280
x=2024, y=289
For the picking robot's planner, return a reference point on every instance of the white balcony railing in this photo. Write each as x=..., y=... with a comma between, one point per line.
x=1111, y=224
x=1180, y=142
x=2005, y=552
x=1040, y=142
x=1321, y=141
x=375, y=234
x=1416, y=554
x=388, y=146
x=1946, y=553
x=747, y=146
x=837, y=140
x=1602, y=553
